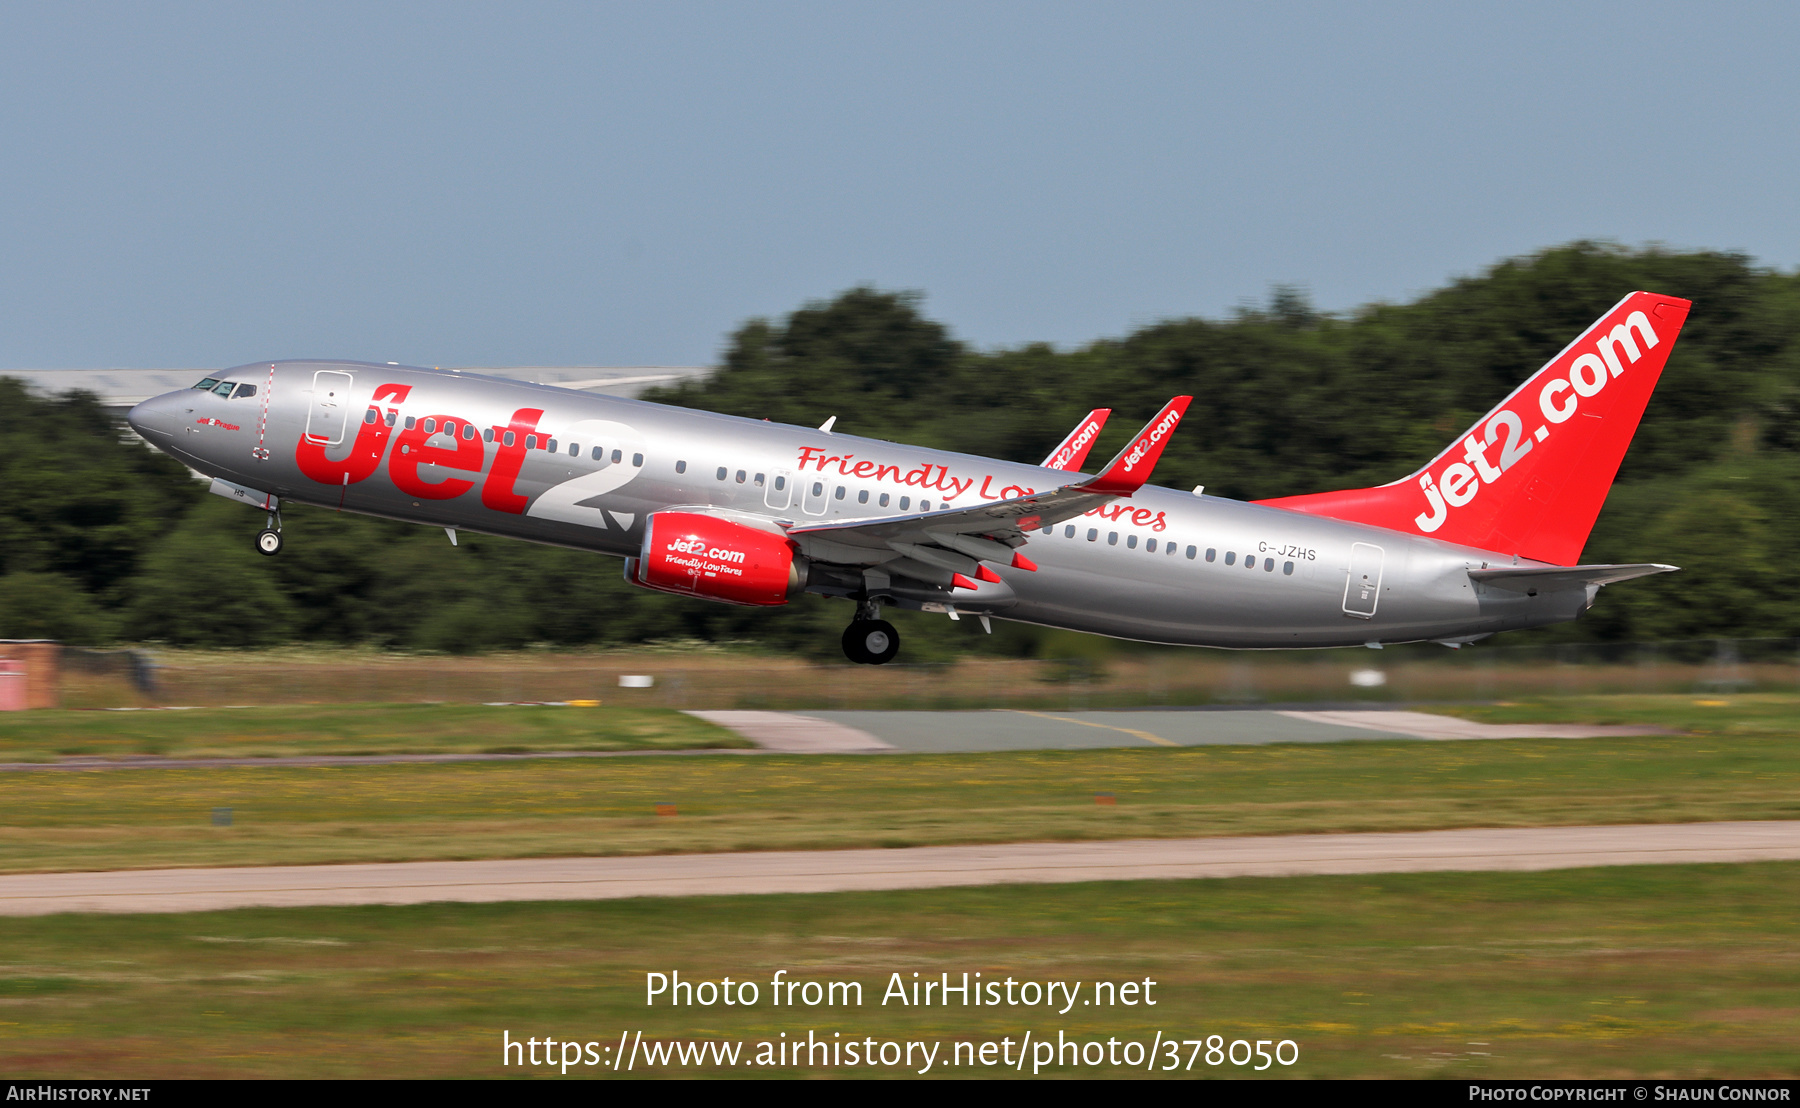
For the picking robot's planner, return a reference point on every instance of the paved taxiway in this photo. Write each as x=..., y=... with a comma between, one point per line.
x=1526, y=848
x=978, y=731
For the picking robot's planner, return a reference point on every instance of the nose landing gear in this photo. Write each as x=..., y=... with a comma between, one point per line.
x=268, y=540
x=870, y=640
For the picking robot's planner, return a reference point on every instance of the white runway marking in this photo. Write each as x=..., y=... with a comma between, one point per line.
x=1526, y=848
x=787, y=733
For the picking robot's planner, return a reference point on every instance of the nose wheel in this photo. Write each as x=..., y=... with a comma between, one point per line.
x=871, y=642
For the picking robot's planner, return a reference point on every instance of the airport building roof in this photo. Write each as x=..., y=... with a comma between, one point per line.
x=119, y=389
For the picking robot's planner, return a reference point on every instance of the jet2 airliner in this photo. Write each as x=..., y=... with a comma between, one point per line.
x=1486, y=537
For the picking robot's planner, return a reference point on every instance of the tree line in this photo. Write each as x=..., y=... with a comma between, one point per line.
x=103, y=540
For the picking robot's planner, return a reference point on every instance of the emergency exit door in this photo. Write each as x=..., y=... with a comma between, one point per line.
x=1362, y=591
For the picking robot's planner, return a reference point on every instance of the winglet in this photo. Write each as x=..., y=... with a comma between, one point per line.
x=1072, y=453
x=1127, y=473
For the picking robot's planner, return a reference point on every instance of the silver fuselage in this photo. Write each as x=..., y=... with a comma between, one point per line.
x=1160, y=566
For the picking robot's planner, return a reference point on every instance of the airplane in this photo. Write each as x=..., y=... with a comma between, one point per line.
x=1486, y=537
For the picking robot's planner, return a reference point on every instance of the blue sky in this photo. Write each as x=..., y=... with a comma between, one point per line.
x=191, y=184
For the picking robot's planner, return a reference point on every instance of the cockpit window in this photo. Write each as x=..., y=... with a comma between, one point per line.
x=243, y=391
x=207, y=384
x=223, y=388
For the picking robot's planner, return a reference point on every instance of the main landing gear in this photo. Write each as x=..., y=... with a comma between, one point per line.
x=869, y=640
x=268, y=540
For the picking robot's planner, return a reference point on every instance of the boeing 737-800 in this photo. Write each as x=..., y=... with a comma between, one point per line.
x=1486, y=537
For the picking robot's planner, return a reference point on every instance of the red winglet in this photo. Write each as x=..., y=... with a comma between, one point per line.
x=1127, y=472
x=1073, y=451
x=1020, y=561
x=987, y=574
x=958, y=581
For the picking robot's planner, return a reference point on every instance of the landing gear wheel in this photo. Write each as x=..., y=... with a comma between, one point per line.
x=871, y=642
x=268, y=542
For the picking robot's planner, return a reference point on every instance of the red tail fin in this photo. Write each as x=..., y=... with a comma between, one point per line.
x=1530, y=477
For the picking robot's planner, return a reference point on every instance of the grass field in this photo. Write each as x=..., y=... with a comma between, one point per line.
x=1726, y=715
x=265, y=732
x=65, y=820
x=1651, y=971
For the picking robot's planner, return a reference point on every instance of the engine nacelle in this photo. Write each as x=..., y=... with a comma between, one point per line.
x=705, y=556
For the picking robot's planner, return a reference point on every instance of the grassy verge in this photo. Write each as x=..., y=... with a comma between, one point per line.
x=1652, y=971
x=64, y=820
x=267, y=732
x=1733, y=715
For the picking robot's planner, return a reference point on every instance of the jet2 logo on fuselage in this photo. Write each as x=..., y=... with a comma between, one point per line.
x=1561, y=394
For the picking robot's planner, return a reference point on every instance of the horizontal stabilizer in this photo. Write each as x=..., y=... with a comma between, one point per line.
x=1552, y=578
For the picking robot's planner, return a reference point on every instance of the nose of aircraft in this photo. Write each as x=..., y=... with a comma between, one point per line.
x=159, y=416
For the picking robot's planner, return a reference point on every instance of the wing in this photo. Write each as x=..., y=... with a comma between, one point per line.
x=1073, y=451
x=947, y=548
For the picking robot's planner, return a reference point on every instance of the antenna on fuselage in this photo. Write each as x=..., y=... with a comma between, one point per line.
x=826, y=426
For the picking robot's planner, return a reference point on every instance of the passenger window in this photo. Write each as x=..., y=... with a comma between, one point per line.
x=243, y=391
x=1268, y=565
x=550, y=446
x=598, y=453
x=924, y=505
x=619, y=456
x=531, y=442
x=1191, y=554
x=1231, y=557
x=740, y=477
x=1150, y=546
x=1172, y=550
x=469, y=432
x=507, y=441
x=1093, y=533
x=721, y=473
x=487, y=433
x=1112, y=538
x=430, y=426
x=371, y=416
x=680, y=467
x=574, y=450
x=636, y=459
x=1287, y=568
x=818, y=488
x=780, y=482
x=905, y=503
x=1131, y=542
x=411, y=422
x=862, y=496
x=1050, y=529
x=1249, y=561
x=1069, y=531
x=1211, y=554
x=884, y=500
x=390, y=419
x=759, y=481
x=450, y=428
x=224, y=388
x=840, y=493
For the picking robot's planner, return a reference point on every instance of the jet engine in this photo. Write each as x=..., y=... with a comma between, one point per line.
x=705, y=556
